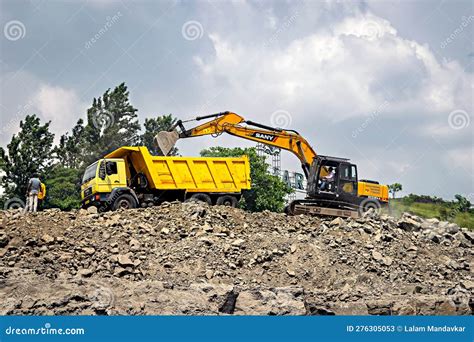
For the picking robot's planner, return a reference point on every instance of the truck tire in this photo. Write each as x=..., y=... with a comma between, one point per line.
x=201, y=197
x=14, y=203
x=289, y=209
x=124, y=201
x=227, y=200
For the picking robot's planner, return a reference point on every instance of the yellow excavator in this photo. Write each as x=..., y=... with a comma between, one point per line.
x=333, y=187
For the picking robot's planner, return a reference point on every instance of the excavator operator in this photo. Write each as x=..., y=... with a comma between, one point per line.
x=328, y=179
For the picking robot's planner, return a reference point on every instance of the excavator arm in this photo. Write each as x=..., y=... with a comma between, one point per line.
x=234, y=124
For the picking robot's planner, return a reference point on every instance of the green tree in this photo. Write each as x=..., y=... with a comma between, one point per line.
x=28, y=152
x=112, y=122
x=62, y=185
x=268, y=192
x=69, y=150
x=462, y=204
x=394, y=188
x=153, y=126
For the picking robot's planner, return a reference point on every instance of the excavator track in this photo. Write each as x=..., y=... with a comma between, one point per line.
x=308, y=207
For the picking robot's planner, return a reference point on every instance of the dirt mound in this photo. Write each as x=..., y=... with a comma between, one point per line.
x=194, y=259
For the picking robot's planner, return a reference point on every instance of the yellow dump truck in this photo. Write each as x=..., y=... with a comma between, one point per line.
x=131, y=177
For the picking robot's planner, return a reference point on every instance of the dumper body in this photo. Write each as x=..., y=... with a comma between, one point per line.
x=130, y=177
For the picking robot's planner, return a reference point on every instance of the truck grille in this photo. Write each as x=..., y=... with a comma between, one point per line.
x=87, y=192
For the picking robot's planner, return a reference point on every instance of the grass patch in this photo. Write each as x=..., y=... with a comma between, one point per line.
x=465, y=220
x=444, y=211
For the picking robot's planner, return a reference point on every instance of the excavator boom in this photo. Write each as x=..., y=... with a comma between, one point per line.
x=234, y=124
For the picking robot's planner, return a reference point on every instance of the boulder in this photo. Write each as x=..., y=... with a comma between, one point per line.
x=377, y=256
x=92, y=210
x=48, y=239
x=278, y=301
x=89, y=250
x=469, y=235
x=3, y=240
x=452, y=228
x=434, y=237
x=408, y=224
x=85, y=272
x=124, y=260
x=337, y=222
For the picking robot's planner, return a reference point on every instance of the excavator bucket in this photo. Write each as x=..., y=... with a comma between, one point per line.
x=165, y=141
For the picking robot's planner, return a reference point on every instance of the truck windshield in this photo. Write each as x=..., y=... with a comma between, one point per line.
x=89, y=173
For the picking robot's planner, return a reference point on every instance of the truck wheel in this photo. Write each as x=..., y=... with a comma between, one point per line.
x=124, y=201
x=289, y=209
x=201, y=197
x=14, y=203
x=227, y=200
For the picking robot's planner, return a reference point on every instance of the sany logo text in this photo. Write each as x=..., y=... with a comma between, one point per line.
x=264, y=136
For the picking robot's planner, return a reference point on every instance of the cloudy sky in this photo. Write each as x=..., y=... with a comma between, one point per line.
x=388, y=84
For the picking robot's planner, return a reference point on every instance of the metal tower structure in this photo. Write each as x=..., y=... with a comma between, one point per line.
x=275, y=169
x=275, y=154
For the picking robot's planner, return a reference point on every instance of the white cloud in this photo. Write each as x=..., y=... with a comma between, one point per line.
x=338, y=76
x=347, y=71
x=368, y=27
x=60, y=106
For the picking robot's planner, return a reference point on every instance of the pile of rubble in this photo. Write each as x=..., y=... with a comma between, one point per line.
x=194, y=259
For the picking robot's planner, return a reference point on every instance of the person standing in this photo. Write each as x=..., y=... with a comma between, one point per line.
x=41, y=196
x=32, y=191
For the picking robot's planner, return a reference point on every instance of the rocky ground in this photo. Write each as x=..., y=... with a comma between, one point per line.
x=191, y=259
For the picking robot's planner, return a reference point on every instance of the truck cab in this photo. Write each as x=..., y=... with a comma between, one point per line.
x=101, y=178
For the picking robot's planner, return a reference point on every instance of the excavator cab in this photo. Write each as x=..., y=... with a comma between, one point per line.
x=341, y=188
